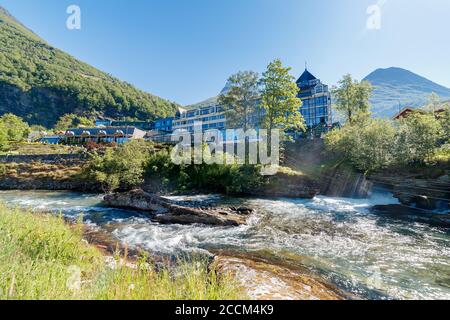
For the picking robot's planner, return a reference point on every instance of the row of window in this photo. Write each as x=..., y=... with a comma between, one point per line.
x=318, y=101
x=217, y=125
x=311, y=112
x=204, y=119
x=203, y=111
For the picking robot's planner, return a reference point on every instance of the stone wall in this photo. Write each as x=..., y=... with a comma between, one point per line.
x=45, y=158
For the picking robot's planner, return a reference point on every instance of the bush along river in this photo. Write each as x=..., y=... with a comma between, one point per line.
x=365, y=253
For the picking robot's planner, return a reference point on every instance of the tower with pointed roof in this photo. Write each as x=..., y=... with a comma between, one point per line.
x=316, y=101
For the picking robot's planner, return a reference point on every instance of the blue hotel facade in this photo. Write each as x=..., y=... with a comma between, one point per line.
x=165, y=124
x=316, y=101
x=315, y=109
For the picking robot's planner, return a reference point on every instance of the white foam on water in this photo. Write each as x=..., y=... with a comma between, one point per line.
x=404, y=260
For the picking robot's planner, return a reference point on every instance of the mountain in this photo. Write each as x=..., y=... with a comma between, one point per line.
x=396, y=87
x=41, y=83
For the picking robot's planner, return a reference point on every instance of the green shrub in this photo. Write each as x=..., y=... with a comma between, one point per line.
x=418, y=138
x=231, y=179
x=373, y=144
x=121, y=167
x=367, y=145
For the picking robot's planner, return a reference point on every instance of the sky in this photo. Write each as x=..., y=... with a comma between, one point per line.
x=184, y=50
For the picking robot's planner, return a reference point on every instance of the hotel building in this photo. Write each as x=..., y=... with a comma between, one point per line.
x=316, y=101
x=210, y=113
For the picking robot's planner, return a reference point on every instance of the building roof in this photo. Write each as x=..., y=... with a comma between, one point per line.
x=129, y=131
x=306, y=76
x=408, y=110
x=402, y=113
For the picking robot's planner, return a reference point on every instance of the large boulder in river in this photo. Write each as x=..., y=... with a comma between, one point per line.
x=166, y=211
x=136, y=200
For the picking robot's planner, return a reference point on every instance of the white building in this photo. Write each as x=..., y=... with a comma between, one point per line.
x=210, y=113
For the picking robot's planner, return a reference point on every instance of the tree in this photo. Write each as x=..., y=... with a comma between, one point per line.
x=14, y=127
x=444, y=119
x=352, y=97
x=240, y=99
x=3, y=138
x=417, y=138
x=279, y=99
x=71, y=120
x=434, y=102
x=367, y=144
x=121, y=167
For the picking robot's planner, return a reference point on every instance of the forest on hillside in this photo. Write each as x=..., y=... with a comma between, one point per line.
x=41, y=83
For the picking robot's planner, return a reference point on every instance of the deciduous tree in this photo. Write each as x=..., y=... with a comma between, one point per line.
x=15, y=128
x=240, y=99
x=279, y=99
x=352, y=97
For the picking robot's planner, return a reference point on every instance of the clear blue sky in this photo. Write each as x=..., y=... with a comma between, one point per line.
x=184, y=50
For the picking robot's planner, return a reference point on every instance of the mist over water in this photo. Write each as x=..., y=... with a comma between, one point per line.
x=369, y=255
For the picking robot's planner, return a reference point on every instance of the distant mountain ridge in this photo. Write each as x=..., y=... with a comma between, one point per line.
x=395, y=88
x=41, y=83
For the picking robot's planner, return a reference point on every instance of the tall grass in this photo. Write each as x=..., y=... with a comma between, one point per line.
x=43, y=258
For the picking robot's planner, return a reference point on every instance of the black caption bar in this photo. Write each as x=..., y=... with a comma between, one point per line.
x=180, y=310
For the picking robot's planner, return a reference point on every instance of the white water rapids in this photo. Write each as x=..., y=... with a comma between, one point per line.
x=366, y=254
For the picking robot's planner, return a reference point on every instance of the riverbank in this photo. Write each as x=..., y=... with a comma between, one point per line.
x=53, y=172
x=44, y=258
x=338, y=241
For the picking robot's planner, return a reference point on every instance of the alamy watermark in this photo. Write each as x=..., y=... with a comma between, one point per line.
x=73, y=282
x=73, y=22
x=374, y=11
x=226, y=147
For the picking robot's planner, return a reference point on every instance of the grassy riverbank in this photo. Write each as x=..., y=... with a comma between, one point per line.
x=44, y=258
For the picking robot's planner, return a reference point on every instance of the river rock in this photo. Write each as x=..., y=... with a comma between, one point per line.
x=166, y=211
x=136, y=200
x=185, y=215
x=264, y=281
x=415, y=191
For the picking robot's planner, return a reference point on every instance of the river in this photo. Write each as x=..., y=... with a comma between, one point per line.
x=367, y=255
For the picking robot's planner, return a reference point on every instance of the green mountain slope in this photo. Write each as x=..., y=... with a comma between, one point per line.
x=395, y=88
x=41, y=83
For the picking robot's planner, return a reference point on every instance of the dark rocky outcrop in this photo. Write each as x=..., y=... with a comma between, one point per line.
x=419, y=192
x=343, y=181
x=289, y=185
x=166, y=211
x=339, y=180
